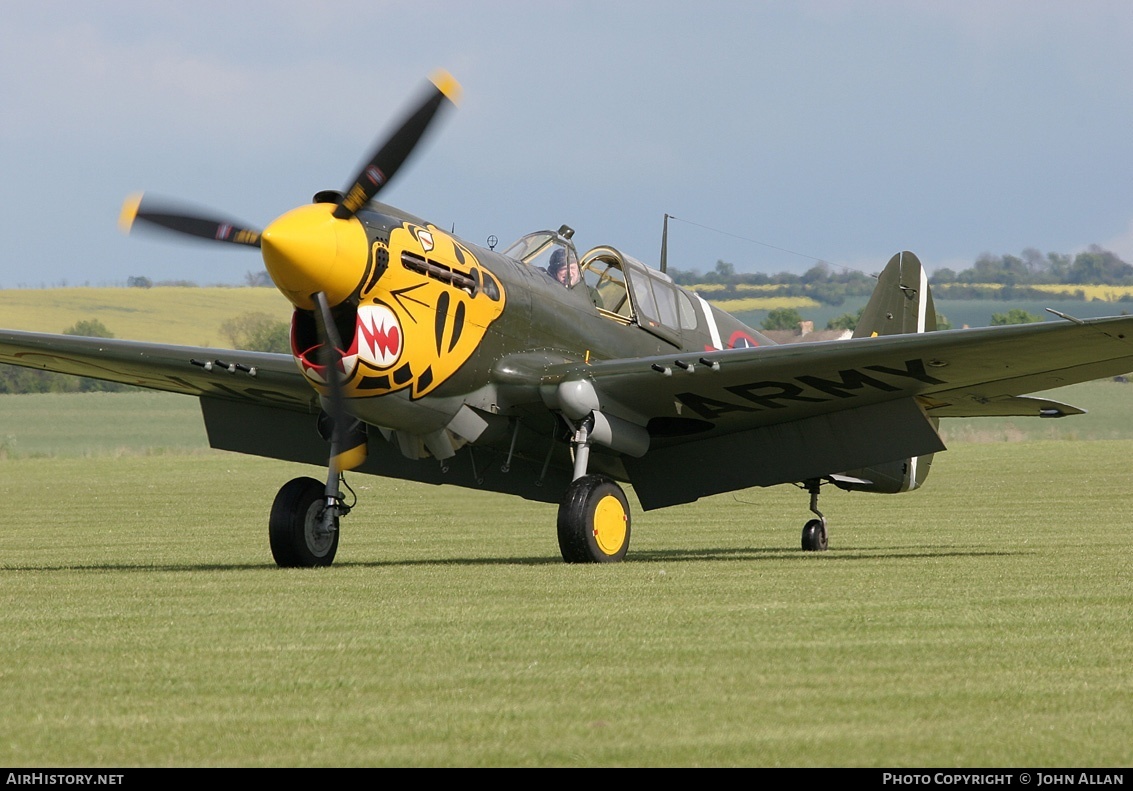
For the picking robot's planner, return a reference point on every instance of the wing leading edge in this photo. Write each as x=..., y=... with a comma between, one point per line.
x=220, y=373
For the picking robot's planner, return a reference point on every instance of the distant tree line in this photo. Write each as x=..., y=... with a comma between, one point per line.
x=1094, y=266
x=140, y=281
x=820, y=282
x=251, y=278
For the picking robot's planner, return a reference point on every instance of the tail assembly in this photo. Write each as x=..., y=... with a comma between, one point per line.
x=901, y=303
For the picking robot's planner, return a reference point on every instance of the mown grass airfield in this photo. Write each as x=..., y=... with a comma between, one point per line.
x=983, y=620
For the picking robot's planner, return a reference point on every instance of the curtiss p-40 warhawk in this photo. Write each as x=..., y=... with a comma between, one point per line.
x=541, y=372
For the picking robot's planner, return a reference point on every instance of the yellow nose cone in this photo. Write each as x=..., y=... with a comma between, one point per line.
x=307, y=250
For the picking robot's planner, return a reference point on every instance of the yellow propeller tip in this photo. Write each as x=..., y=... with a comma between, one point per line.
x=129, y=212
x=446, y=84
x=351, y=458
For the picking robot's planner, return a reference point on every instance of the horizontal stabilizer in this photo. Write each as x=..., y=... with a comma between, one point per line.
x=1003, y=406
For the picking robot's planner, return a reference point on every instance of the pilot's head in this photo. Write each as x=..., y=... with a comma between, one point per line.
x=562, y=271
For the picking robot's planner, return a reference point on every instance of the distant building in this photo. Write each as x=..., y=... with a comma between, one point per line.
x=806, y=332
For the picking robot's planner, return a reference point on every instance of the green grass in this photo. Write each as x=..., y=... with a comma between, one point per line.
x=984, y=620
x=99, y=424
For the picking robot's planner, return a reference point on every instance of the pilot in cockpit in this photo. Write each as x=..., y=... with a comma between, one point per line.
x=564, y=269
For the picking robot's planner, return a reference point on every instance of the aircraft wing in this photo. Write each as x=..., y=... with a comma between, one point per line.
x=722, y=420
x=270, y=379
x=260, y=404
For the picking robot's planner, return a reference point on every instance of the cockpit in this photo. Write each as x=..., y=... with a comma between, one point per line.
x=550, y=251
x=622, y=288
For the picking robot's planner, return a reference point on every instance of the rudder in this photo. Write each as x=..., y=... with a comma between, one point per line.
x=901, y=302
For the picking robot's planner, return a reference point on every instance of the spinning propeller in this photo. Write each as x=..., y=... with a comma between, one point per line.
x=316, y=255
x=173, y=218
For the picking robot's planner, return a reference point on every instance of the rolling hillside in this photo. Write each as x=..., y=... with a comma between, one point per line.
x=189, y=316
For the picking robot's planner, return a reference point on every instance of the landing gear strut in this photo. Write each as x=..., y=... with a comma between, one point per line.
x=593, y=523
x=814, y=531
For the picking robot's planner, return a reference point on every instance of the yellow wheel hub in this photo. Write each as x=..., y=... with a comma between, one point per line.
x=610, y=525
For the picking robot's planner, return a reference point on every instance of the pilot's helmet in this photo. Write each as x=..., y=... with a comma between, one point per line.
x=558, y=260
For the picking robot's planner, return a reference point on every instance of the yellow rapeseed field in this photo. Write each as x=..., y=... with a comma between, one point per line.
x=763, y=303
x=1090, y=293
x=765, y=288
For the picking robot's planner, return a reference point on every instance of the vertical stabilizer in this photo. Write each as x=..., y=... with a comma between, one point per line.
x=901, y=303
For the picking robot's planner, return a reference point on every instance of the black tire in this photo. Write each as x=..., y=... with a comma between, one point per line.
x=814, y=536
x=594, y=521
x=291, y=529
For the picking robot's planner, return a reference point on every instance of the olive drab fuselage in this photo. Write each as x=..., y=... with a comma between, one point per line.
x=432, y=315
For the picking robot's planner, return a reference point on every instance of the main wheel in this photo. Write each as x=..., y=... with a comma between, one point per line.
x=594, y=521
x=814, y=536
x=296, y=540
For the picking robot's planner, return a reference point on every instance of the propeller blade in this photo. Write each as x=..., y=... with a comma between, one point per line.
x=348, y=441
x=350, y=450
x=390, y=156
x=171, y=218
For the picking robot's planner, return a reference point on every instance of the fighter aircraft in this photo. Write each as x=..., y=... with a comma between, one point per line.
x=541, y=372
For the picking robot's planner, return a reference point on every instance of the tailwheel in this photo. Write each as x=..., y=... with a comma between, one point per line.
x=594, y=521
x=814, y=531
x=814, y=535
x=301, y=535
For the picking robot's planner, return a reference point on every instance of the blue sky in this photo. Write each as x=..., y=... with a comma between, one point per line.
x=836, y=130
